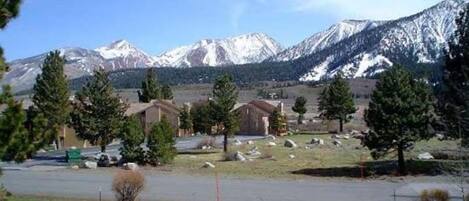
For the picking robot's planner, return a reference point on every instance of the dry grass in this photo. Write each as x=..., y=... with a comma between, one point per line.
x=434, y=195
x=275, y=163
x=127, y=185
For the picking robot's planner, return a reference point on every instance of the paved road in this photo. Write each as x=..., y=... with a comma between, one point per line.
x=85, y=184
x=56, y=158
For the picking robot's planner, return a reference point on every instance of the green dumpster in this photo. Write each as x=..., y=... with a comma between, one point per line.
x=73, y=156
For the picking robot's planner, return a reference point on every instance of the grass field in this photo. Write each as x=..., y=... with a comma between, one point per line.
x=350, y=154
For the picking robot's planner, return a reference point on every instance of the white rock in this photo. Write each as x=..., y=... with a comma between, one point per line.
x=75, y=167
x=425, y=156
x=250, y=142
x=41, y=151
x=131, y=166
x=270, y=137
x=291, y=156
x=346, y=136
x=208, y=165
x=239, y=156
x=271, y=144
x=354, y=132
x=318, y=141
x=254, y=152
x=90, y=165
x=290, y=143
x=440, y=136
x=237, y=142
x=337, y=143
x=335, y=136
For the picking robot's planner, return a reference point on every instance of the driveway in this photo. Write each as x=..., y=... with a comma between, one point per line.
x=86, y=184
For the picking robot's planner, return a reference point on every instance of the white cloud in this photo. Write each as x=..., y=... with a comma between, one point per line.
x=369, y=9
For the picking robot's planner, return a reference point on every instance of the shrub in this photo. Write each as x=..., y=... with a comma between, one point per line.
x=127, y=185
x=132, y=137
x=434, y=195
x=207, y=142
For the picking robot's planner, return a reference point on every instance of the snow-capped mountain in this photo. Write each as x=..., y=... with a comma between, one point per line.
x=123, y=54
x=324, y=39
x=248, y=48
x=420, y=38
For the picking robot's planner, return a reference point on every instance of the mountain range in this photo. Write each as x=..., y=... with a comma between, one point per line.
x=358, y=48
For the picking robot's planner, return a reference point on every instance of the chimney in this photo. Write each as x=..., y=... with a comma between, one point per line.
x=280, y=107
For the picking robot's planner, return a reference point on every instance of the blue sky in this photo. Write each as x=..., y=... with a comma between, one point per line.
x=158, y=25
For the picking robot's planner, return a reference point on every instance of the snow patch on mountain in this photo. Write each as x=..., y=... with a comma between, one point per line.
x=248, y=48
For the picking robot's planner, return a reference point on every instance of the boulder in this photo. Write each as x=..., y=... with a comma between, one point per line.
x=290, y=143
x=291, y=156
x=346, y=136
x=239, y=156
x=90, y=165
x=440, y=136
x=254, y=152
x=336, y=136
x=270, y=137
x=425, y=156
x=237, y=142
x=271, y=144
x=354, y=132
x=208, y=165
x=131, y=166
x=250, y=142
x=75, y=167
x=206, y=147
x=317, y=141
x=337, y=143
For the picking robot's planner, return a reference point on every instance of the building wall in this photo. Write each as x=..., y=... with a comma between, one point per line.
x=253, y=121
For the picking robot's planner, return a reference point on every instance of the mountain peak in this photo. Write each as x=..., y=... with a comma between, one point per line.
x=120, y=44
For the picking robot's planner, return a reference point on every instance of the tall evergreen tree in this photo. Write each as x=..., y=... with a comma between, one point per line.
x=39, y=135
x=400, y=113
x=277, y=122
x=98, y=114
x=161, y=143
x=185, y=119
x=336, y=101
x=51, y=95
x=9, y=9
x=201, y=119
x=454, y=95
x=300, y=108
x=132, y=137
x=150, y=88
x=225, y=95
x=166, y=92
x=13, y=135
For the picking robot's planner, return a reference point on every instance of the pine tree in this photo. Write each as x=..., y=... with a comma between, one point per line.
x=185, y=119
x=9, y=9
x=277, y=122
x=300, y=108
x=161, y=143
x=14, y=144
x=98, y=114
x=38, y=134
x=51, y=95
x=454, y=93
x=166, y=92
x=201, y=119
x=336, y=101
x=400, y=113
x=150, y=88
x=132, y=137
x=225, y=95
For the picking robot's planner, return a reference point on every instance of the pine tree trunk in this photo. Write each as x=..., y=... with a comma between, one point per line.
x=341, y=125
x=225, y=142
x=401, y=161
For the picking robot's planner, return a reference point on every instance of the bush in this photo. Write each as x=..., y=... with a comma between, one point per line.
x=207, y=142
x=434, y=195
x=132, y=137
x=127, y=185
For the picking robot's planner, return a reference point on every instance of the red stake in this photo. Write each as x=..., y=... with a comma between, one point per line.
x=218, y=185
